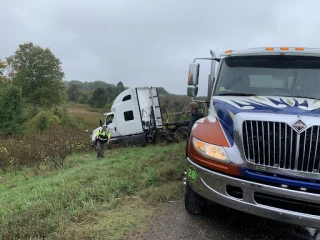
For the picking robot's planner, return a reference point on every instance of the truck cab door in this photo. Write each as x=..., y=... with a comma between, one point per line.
x=112, y=126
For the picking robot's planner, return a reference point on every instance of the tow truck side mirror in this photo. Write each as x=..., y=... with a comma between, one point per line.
x=193, y=76
x=192, y=91
x=193, y=79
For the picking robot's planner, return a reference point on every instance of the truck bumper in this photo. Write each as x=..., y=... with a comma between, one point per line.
x=216, y=188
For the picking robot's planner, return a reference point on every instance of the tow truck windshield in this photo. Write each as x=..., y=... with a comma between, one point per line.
x=276, y=75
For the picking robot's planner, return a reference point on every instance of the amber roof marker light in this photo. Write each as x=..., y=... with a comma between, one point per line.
x=299, y=49
x=228, y=51
x=284, y=48
x=269, y=48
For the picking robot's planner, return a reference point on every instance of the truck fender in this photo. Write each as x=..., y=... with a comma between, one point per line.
x=210, y=130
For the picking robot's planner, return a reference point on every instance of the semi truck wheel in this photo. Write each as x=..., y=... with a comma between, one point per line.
x=181, y=134
x=164, y=137
x=193, y=202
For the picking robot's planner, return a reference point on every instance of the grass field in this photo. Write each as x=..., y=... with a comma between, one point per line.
x=90, y=117
x=90, y=198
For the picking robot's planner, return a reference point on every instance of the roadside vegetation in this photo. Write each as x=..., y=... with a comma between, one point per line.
x=43, y=118
x=90, y=198
x=51, y=184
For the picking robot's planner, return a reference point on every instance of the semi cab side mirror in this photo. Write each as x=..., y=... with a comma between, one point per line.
x=100, y=123
x=193, y=76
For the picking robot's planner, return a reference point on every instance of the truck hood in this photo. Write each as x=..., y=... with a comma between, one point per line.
x=227, y=107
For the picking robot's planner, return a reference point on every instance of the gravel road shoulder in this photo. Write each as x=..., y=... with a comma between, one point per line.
x=171, y=221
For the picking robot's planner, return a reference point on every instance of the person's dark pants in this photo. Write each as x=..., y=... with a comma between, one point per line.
x=100, y=148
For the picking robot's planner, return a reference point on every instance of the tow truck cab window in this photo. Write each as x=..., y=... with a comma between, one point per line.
x=270, y=75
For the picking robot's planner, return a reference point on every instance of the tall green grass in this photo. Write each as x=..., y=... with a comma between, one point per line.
x=67, y=203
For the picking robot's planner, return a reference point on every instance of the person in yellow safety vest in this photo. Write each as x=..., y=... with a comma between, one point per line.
x=102, y=137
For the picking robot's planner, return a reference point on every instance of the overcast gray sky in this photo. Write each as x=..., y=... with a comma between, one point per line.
x=149, y=42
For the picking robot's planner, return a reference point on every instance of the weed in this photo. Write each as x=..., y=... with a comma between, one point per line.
x=49, y=147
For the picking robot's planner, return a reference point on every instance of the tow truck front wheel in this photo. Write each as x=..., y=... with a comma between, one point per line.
x=193, y=202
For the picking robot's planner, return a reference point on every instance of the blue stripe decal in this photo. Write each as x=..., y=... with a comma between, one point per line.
x=280, y=106
x=278, y=180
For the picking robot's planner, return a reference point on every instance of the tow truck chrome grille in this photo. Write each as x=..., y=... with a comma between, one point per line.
x=277, y=144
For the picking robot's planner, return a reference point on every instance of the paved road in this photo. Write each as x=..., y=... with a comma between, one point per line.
x=172, y=222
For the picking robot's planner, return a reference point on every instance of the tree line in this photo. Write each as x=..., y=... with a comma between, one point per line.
x=32, y=88
x=100, y=94
x=97, y=94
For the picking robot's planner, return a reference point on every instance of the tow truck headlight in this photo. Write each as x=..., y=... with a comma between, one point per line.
x=210, y=150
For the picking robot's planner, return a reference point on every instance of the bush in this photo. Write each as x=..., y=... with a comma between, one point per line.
x=60, y=111
x=30, y=111
x=45, y=147
x=43, y=120
x=75, y=122
x=83, y=98
x=51, y=135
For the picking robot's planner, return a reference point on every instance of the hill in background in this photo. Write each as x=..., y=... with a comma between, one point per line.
x=100, y=95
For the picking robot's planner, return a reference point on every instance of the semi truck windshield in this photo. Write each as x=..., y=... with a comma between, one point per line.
x=282, y=75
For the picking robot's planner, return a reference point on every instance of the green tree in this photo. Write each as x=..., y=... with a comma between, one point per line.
x=38, y=72
x=111, y=92
x=99, y=98
x=73, y=93
x=162, y=91
x=2, y=67
x=3, y=79
x=83, y=98
x=11, y=109
x=120, y=87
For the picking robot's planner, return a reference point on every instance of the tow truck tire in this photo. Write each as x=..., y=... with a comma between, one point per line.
x=193, y=202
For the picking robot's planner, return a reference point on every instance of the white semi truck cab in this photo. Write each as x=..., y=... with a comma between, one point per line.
x=258, y=149
x=136, y=119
